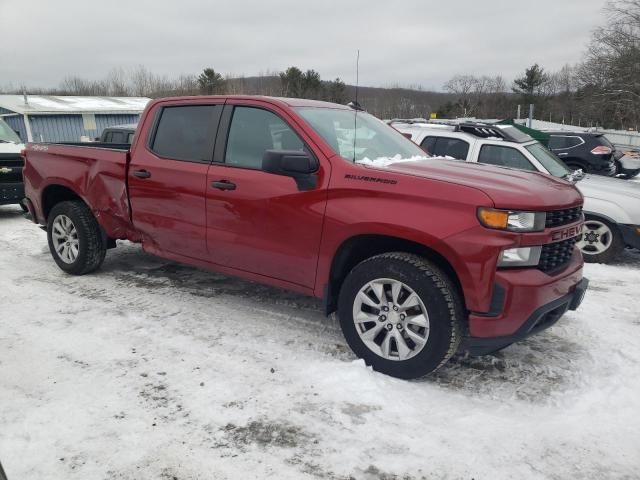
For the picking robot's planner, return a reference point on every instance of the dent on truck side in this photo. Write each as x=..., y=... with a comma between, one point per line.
x=96, y=176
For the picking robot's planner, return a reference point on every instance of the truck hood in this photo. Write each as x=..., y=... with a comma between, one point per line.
x=608, y=188
x=508, y=188
x=11, y=147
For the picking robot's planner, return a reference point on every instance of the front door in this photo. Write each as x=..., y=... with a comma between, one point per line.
x=168, y=179
x=260, y=222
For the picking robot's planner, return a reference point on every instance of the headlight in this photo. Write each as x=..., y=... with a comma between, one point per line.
x=520, y=257
x=512, y=221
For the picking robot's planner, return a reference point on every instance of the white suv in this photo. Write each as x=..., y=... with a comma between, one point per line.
x=611, y=206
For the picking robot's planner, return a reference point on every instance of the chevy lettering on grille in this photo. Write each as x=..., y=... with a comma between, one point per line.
x=5, y=170
x=567, y=233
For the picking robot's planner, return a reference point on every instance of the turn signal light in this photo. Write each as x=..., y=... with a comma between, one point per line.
x=494, y=218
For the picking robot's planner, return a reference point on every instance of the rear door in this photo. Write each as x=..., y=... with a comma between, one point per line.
x=259, y=222
x=168, y=177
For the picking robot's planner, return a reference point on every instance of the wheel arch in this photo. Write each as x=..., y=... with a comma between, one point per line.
x=355, y=249
x=55, y=193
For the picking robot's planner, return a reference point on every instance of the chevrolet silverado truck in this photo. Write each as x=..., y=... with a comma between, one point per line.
x=420, y=258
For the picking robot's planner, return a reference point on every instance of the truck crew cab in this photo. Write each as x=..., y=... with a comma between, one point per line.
x=419, y=257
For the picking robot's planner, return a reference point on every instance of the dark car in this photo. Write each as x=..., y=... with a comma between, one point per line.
x=118, y=134
x=590, y=152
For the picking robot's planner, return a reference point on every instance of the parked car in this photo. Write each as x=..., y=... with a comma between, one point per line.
x=118, y=134
x=590, y=152
x=627, y=163
x=611, y=206
x=11, y=186
x=413, y=256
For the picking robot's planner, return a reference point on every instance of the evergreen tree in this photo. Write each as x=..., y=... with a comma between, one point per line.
x=211, y=82
x=531, y=85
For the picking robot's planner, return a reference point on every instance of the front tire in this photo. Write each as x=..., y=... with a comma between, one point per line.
x=401, y=314
x=75, y=239
x=600, y=242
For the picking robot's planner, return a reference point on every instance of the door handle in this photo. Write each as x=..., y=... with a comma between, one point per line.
x=562, y=154
x=141, y=174
x=223, y=185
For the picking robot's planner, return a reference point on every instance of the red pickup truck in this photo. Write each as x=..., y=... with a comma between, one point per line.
x=419, y=257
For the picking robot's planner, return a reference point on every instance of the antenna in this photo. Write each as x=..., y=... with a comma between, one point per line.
x=357, y=73
x=355, y=105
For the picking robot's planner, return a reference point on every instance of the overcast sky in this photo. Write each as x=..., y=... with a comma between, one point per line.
x=401, y=42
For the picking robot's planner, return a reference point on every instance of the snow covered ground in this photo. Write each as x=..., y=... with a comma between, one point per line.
x=152, y=370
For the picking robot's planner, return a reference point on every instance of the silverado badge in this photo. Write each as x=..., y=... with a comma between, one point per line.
x=5, y=170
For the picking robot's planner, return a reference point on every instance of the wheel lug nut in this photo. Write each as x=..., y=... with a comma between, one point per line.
x=385, y=309
x=395, y=308
x=399, y=326
x=389, y=326
x=383, y=318
x=402, y=316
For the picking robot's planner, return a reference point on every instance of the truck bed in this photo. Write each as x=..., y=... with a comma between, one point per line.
x=96, y=172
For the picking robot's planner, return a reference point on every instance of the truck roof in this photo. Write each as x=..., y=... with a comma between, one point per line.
x=282, y=101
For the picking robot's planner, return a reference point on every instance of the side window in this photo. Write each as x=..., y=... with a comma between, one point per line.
x=107, y=137
x=452, y=147
x=187, y=132
x=130, y=138
x=252, y=132
x=429, y=145
x=504, y=157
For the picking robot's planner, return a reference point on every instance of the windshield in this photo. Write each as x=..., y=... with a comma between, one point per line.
x=359, y=136
x=548, y=160
x=7, y=134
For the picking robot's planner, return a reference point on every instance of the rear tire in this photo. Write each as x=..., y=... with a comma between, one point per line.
x=401, y=314
x=601, y=241
x=75, y=239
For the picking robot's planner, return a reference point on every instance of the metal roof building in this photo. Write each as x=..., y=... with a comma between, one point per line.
x=44, y=118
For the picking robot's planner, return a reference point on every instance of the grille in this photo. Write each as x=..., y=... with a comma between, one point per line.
x=555, y=218
x=14, y=164
x=556, y=255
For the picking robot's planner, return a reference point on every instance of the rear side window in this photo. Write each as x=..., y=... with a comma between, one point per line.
x=558, y=142
x=429, y=145
x=452, y=147
x=187, y=132
x=504, y=157
x=254, y=131
x=446, y=147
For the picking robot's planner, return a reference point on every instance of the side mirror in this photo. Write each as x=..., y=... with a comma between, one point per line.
x=297, y=164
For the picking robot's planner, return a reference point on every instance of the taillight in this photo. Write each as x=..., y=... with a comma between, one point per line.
x=601, y=150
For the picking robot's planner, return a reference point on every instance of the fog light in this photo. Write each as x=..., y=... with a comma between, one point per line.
x=520, y=257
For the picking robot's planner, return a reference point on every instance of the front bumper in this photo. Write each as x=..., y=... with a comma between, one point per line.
x=11, y=193
x=541, y=319
x=518, y=294
x=630, y=235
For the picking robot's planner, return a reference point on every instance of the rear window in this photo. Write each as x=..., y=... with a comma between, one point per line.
x=602, y=140
x=187, y=132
